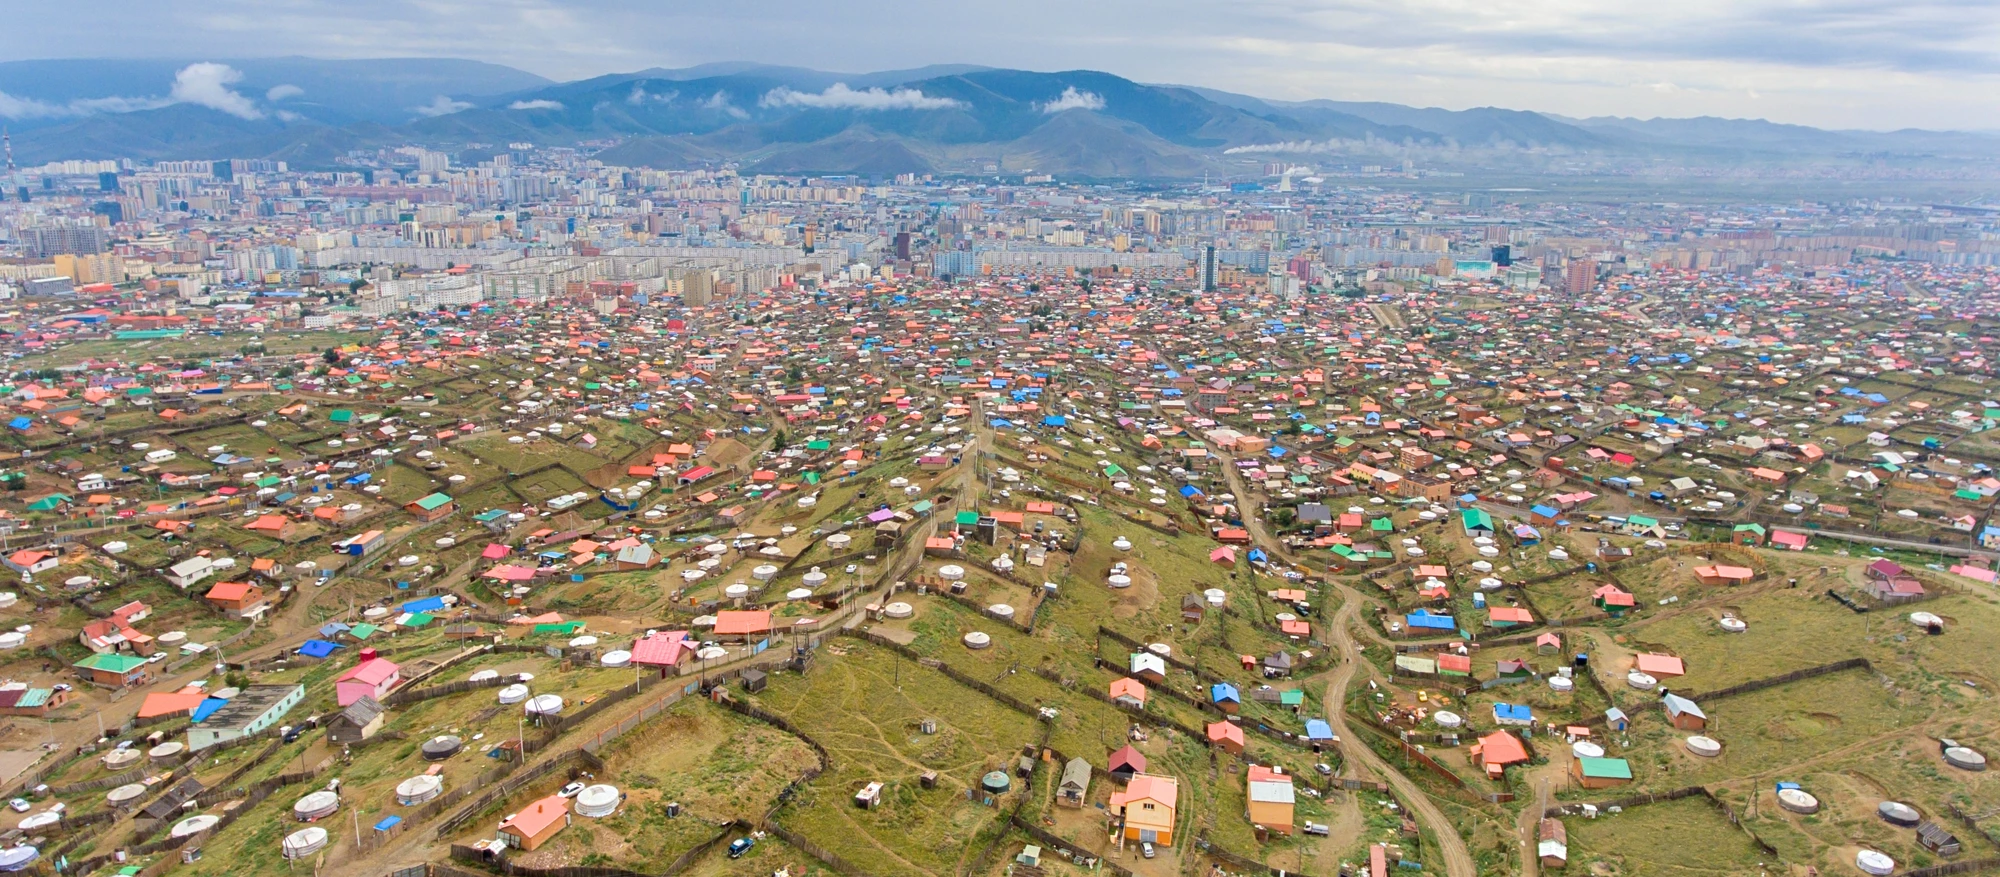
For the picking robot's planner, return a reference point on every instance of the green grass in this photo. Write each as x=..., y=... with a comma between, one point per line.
x=854, y=707
x=1683, y=838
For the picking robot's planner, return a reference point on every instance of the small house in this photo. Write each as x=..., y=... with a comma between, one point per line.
x=1600, y=773
x=1148, y=807
x=1148, y=667
x=1125, y=763
x=1683, y=713
x=359, y=721
x=1724, y=574
x=241, y=599
x=1192, y=608
x=1225, y=697
x=1074, y=787
x=1938, y=839
x=113, y=670
x=536, y=823
x=1129, y=692
x=742, y=625
x=1553, y=844
x=373, y=677
x=431, y=508
x=1495, y=751
x=1226, y=736
x=189, y=571
x=1271, y=799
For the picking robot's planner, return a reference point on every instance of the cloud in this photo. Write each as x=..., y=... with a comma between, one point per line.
x=535, y=105
x=207, y=84
x=280, y=92
x=1071, y=99
x=639, y=96
x=839, y=97
x=720, y=101
x=12, y=107
x=441, y=106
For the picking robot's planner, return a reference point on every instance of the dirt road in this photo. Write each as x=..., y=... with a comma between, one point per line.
x=1457, y=857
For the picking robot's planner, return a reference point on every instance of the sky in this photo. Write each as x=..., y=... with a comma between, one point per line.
x=1874, y=64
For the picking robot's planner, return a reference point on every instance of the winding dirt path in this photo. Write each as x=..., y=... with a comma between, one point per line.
x=1458, y=860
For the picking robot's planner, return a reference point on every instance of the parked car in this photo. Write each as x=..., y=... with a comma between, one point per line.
x=740, y=846
x=1146, y=849
x=18, y=805
x=570, y=790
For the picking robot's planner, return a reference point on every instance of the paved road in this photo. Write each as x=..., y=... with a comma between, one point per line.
x=1457, y=858
x=1952, y=550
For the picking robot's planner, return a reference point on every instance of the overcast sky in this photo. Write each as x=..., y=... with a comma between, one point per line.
x=1832, y=63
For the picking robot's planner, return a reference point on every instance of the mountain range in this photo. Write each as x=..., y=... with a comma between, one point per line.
x=765, y=118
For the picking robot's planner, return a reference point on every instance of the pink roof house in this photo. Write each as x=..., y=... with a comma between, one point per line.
x=373, y=678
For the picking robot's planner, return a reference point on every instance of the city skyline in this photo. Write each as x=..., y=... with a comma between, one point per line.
x=1838, y=65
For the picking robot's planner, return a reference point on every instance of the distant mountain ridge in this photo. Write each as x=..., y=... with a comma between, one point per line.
x=768, y=118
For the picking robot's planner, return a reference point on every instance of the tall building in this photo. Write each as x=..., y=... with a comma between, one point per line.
x=1208, y=269
x=1503, y=255
x=60, y=239
x=698, y=287
x=903, y=246
x=1581, y=276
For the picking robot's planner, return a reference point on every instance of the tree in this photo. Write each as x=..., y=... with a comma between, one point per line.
x=332, y=356
x=354, y=286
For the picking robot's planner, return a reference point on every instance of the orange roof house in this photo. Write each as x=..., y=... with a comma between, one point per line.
x=1226, y=735
x=1497, y=750
x=743, y=623
x=1659, y=666
x=1148, y=805
x=1129, y=691
x=536, y=823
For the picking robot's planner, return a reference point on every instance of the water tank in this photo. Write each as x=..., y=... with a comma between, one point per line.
x=316, y=806
x=1872, y=862
x=305, y=842
x=1899, y=813
x=419, y=789
x=194, y=825
x=598, y=801
x=1964, y=758
x=120, y=759
x=442, y=747
x=1798, y=801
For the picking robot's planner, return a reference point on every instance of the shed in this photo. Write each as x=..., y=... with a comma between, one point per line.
x=1074, y=786
x=358, y=722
